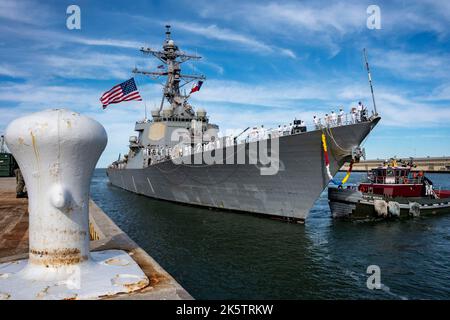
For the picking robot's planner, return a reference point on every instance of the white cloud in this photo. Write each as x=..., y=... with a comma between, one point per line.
x=48, y=38
x=269, y=94
x=325, y=25
x=25, y=12
x=412, y=65
x=92, y=66
x=107, y=42
x=11, y=71
x=214, y=32
x=338, y=17
x=310, y=23
x=441, y=93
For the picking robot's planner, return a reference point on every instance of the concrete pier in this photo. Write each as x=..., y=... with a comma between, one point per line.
x=104, y=234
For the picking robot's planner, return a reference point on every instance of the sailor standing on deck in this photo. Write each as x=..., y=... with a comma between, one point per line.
x=327, y=120
x=333, y=118
x=262, y=133
x=341, y=117
x=360, y=109
x=316, y=123
x=280, y=130
x=353, y=115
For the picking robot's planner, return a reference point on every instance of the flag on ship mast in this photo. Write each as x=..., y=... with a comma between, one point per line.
x=125, y=91
x=196, y=87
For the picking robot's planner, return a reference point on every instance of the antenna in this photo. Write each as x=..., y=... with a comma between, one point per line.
x=145, y=103
x=370, y=80
x=167, y=32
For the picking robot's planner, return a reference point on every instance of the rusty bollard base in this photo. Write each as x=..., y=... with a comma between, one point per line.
x=107, y=273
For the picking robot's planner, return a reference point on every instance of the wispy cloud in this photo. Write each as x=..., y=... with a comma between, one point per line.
x=92, y=66
x=50, y=38
x=214, y=32
x=106, y=42
x=11, y=71
x=308, y=22
x=25, y=12
x=413, y=65
x=268, y=94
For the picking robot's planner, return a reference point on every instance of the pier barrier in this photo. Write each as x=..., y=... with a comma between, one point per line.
x=57, y=151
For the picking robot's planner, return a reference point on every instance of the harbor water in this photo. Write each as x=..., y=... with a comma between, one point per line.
x=223, y=255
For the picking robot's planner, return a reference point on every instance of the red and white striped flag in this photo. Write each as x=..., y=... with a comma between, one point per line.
x=126, y=91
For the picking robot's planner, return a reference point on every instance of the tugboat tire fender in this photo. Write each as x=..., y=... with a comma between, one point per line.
x=394, y=208
x=414, y=209
x=381, y=208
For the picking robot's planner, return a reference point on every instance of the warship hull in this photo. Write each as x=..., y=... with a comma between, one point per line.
x=289, y=194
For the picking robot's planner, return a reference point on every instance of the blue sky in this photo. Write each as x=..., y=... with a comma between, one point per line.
x=266, y=62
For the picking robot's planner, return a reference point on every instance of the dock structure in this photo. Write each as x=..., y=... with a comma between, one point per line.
x=104, y=235
x=428, y=164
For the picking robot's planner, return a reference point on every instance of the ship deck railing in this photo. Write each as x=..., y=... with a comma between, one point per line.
x=397, y=180
x=228, y=141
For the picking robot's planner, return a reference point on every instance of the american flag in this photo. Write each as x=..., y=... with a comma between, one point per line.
x=125, y=91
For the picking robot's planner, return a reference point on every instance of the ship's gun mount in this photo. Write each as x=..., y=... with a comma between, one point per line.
x=235, y=138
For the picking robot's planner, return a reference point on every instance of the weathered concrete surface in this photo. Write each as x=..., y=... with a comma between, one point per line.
x=14, y=244
x=13, y=220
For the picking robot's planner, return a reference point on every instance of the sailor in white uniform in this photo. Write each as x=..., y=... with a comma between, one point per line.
x=341, y=117
x=316, y=122
x=359, y=109
x=333, y=118
x=262, y=133
x=354, y=115
x=280, y=130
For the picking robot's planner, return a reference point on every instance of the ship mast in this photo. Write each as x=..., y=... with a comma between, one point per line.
x=172, y=58
x=370, y=81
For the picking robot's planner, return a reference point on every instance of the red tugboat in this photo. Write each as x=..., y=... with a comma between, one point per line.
x=392, y=190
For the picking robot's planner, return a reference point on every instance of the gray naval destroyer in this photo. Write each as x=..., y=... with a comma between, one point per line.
x=179, y=156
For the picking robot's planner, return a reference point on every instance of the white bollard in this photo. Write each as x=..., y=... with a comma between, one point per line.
x=57, y=151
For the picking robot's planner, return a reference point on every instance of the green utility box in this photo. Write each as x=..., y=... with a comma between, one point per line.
x=7, y=165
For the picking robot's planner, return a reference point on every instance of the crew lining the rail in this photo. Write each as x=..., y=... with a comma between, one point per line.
x=257, y=133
